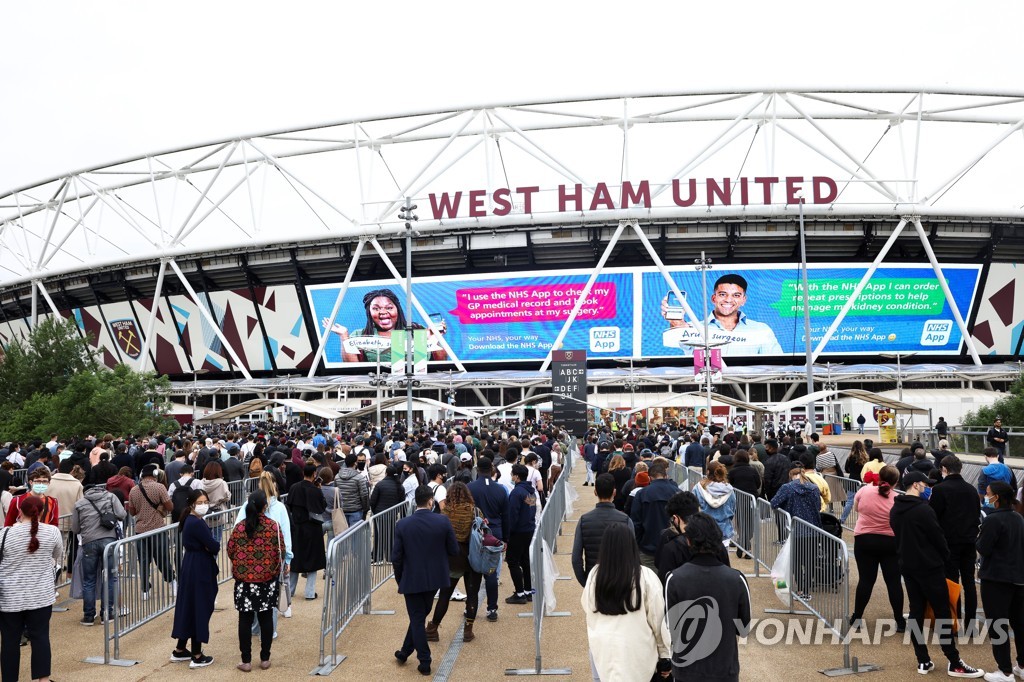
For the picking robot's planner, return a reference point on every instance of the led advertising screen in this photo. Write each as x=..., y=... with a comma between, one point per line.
x=760, y=311
x=489, y=319
x=631, y=312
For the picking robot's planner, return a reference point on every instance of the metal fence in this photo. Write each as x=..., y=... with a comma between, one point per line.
x=746, y=524
x=19, y=476
x=549, y=527
x=145, y=568
x=382, y=538
x=975, y=440
x=773, y=527
x=240, y=490
x=347, y=590
x=849, y=487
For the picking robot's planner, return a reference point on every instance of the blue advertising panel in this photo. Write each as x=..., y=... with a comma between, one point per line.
x=759, y=310
x=489, y=319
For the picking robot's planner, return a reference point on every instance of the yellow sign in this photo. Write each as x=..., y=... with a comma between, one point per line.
x=887, y=432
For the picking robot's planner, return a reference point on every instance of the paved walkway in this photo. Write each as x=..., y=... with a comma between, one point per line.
x=369, y=641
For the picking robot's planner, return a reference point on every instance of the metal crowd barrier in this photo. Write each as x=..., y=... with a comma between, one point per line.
x=382, y=538
x=153, y=557
x=773, y=527
x=819, y=579
x=19, y=476
x=849, y=486
x=746, y=524
x=549, y=527
x=347, y=590
x=240, y=490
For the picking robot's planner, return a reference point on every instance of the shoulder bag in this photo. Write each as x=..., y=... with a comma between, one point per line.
x=339, y=522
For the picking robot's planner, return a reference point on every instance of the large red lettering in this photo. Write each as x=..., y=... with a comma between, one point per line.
x=502, y=198
x=446, y=207
x=691, y=197
x=833, y=191
x=476, y=203
x=527, y=193
x=641, y=196
x=564, y=197
x=602, y=199
x=723, y=191
x=744, y=197
x=793, y=185
x=766, y=185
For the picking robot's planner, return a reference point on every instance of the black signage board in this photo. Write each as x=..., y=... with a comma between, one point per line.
x=569, y=384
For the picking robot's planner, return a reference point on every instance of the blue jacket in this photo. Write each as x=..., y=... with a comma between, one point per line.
x=419, y=540
x=522, y=508
x=648, y=513
x=996, y=471
x=801, y=500
x=693, y=456
x=492, y=500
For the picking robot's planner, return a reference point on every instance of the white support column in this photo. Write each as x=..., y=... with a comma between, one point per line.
x=49, y=301
x=337, y=306
x=35, y=305
x=210, y=319
x=144, y=356
x=945, y=290
x=665, y=275
x=858, y=289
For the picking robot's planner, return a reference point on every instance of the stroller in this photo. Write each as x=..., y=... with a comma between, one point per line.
x=828, y=569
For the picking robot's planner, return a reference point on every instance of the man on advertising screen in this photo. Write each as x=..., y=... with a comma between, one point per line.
x=727, y=322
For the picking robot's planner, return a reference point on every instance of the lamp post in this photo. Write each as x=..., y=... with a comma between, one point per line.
x=807, y=317
x=450, y=393
x=406, y=214
x=703, y=264
x=195, y=390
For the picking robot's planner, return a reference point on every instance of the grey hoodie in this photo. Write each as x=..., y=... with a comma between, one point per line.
x=355, y=494
x=85, y=520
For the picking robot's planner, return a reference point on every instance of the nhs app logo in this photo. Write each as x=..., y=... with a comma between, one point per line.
x=936, y=332
x=604, y=339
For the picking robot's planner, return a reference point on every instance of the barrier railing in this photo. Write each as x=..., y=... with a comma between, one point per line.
x=849, y=486
x=773, y=526
x=19, y=476
x=144, y=585
x=819, y=579
x=746, y=525
x=240, y=490
x=549, y=527
x=347, y=589
x=382, y=537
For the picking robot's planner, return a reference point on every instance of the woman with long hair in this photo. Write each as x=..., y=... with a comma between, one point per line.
x=384, y=314
x=460, y=510
x=717, y=498
x=623, y=603
x=856, y=460
x=874, y=545
x=197, y=583
x=31, y=550
x=256, y=550
x=869, y=472
x=277, y=512
x=622, y=475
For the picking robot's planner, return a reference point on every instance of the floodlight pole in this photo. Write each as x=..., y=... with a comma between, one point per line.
x=807, y=319
x=704, y=264
x=409, y=217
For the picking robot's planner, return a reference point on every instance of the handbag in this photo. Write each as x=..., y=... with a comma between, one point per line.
x=339, y=522
x=954, y=597
x=284, y=596
x=77, y=576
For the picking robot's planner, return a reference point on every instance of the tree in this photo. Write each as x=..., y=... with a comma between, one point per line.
x=1009, y=408
x=57, y=386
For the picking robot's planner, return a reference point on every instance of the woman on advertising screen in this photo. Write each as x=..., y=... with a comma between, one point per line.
x=383, y=315
x=727, y=322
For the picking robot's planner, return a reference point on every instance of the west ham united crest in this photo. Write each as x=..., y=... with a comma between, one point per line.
x=127, y=336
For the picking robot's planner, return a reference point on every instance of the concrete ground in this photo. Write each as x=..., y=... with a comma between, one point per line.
x=369, y=640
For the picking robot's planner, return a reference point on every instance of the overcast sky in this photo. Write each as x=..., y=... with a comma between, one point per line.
x=86, y=83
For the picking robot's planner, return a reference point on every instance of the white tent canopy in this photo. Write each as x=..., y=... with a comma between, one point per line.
x=391, y=403
x=541, y=398
x=248, y=406
x=699, y=399
x=866, y=396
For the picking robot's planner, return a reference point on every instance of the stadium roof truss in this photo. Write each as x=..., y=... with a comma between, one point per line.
x=558, y=182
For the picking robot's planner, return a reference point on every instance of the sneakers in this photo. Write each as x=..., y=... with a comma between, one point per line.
x=925, y=668
x=87, y=622
x=458, y=596
x=961, y=669
x=516, y=599
x=1018, y=670
x=180, y=656
x=287, y=613
x=492, y=615
x=529, y=595
x=201, y=661
x=998, y=676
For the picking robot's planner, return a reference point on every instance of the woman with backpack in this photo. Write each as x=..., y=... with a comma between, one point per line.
x=460, y=510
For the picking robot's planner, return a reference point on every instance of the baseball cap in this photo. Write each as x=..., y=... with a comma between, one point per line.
x=646, y=452
x=912, y=477
x=399, y=455
x=465, y=457
x=627, y=446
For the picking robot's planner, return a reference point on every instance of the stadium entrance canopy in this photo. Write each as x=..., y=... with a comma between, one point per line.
x=866, y=396
x=249, y=406
x=236, y=256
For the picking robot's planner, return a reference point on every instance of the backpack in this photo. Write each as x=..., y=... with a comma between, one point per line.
x=484, y=549
x=108, y=519
x=179, y=498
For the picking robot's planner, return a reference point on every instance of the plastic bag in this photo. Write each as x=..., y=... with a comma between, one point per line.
x=780, y=573
x=570, y=496
x=550, y=576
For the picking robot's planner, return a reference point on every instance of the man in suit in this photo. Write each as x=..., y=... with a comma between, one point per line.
x=421, y=569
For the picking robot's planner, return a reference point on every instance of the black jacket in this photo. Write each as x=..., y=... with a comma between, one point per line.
x=674, y=551
x=903, y=463
x=648, y=513
x=920, y=542
x=1001, y=546
x=957, y=508
x=589, y=531
x=745, y=477
x=386, y=494
x=704, y=577
x=776, y=473
x=233, y=469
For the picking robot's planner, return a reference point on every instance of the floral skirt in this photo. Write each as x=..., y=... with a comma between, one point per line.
x=256, y=596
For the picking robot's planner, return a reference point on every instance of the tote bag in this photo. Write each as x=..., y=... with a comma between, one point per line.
x=338, y=521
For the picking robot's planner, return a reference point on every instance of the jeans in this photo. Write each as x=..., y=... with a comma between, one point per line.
x=870, y=552
x=491, y=586
x=1005, y=602
x=417, y=605
x=354, y=517
x=154, y=549
x=35, y=623
x=960, y=568
x=92, y=556
x=245, y=624
x=517, y=556
x=930, y=588
x=293, y=582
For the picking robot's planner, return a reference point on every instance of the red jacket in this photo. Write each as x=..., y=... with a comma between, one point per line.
x=49, y=515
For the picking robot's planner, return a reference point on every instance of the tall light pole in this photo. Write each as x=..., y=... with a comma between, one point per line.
x=703, y=265
x=807, y=317
x=406, y=214
x=195, y=390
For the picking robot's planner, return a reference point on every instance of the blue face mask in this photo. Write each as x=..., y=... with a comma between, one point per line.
x=40, y=488
x=926, y=493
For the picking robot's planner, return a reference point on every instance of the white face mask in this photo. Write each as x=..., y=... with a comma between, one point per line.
x=201, y=509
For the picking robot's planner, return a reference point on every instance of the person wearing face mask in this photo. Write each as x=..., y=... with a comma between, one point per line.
x=923, y=551
x=197, y=584
x=38, y=486
x=355, y=492
x=1001, y=546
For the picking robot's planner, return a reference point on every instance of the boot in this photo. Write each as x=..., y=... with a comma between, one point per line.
x=467, y=631
x=432, y=631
